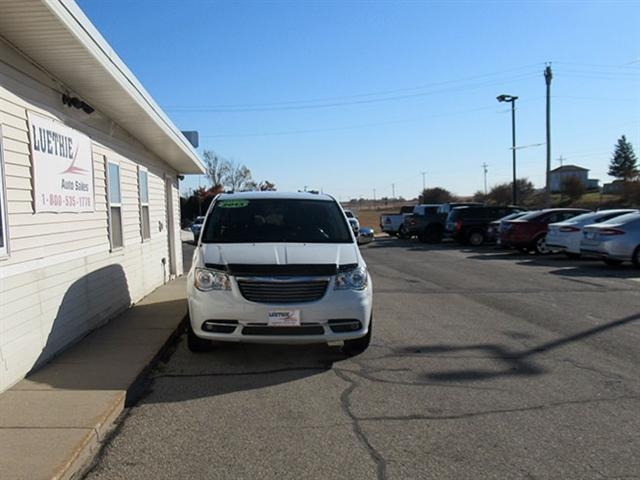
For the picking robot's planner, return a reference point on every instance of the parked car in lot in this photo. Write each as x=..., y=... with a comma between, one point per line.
x=273, y=267
x=529, y=232
x=468, y=225
x=566, y=236
x=615, y=241
x=391, y=222
x=353, y=222
x=430, y=227
x=496, y=227
x=196, y=227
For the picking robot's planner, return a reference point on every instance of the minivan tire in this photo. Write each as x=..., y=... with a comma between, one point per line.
x=359, y=345
x=635, y=258
x=195, y=343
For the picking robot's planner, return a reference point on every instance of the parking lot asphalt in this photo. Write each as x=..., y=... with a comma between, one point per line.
x=484, y=364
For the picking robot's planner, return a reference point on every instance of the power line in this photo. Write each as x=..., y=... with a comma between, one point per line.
x=353, y=127
x=374, y=93
x=267, y=108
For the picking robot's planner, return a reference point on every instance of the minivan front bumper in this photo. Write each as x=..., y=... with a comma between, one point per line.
x=339, y=315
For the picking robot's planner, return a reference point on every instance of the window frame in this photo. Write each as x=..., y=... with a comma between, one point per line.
x=111, y=204
x=4, y=218
x=142, y=204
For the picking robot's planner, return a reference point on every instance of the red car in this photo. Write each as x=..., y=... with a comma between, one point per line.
x=529, y=232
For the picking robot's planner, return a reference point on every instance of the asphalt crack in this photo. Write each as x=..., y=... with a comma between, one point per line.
x=345, y=401
x=462, y=416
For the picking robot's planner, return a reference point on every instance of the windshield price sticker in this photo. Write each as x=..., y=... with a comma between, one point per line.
x=284, y=318
x=233, y=203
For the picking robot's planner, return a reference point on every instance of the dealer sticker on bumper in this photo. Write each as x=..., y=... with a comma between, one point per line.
x=284, y=318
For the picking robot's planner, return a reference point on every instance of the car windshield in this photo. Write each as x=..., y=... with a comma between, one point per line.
x=276, y=220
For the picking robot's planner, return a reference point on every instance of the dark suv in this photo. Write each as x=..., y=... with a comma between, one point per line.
x=429, y=226
x=468, y=225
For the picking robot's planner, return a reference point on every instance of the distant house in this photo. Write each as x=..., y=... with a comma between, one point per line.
x=558, y=175
x=614, y=188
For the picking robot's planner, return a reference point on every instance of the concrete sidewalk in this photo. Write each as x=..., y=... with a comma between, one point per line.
x=53, y=422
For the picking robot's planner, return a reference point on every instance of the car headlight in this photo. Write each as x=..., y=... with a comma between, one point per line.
x=355, y=279
x=207, y=280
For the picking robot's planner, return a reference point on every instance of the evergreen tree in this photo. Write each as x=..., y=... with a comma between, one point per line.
x=624, y=164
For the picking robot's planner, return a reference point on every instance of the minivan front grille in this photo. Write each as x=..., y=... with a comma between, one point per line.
x=283, y=292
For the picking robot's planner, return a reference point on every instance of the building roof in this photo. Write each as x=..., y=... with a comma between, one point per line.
x=569, y=168
x=58, y=36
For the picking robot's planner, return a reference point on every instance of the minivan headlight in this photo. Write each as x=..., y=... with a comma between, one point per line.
x=355, y=279
x=207, y=280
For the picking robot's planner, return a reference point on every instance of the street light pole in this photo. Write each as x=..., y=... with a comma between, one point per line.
x=512, y=99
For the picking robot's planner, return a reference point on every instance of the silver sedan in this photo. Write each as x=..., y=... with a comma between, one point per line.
x=614, y=241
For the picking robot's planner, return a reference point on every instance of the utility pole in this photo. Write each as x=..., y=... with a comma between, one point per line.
x=393, y=190
x=560, y=160
x=423, y=181
x=512, y=99
x=374, y=197
x=484, y=169
x=547, y=78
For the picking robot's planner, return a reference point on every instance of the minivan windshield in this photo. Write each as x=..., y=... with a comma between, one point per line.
x=276, y=220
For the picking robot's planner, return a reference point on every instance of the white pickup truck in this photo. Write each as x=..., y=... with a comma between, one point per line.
x=391, y=222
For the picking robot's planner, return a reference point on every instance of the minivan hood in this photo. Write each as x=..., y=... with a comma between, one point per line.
x=279, y=253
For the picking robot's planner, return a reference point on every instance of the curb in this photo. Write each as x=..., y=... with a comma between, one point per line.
x=86, y=456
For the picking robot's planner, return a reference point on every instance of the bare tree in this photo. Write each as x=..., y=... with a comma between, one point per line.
x=238, y=177
x=217, y=168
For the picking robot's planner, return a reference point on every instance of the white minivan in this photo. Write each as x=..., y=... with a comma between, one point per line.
x=276, y=267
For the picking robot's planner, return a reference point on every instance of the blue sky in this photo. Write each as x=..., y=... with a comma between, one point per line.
x=349, y=96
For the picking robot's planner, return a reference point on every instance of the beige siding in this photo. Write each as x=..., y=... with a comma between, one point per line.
x=60, y=279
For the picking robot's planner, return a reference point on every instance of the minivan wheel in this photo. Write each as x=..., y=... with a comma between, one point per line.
x=195, y=343
x=635, y=258
x=541, y=245
x=359, y=345
x=476, y=238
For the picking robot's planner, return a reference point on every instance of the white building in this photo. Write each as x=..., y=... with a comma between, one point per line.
x=558, y=175
x=89, y=201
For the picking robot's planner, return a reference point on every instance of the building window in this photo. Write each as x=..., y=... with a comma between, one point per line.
x=4, y=249
x=143, y=188
x=115, y=205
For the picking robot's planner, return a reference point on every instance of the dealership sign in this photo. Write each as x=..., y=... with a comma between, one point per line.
x=62, y=166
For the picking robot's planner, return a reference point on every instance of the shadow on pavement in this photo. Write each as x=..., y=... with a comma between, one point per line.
x=516, y=363
x=234, y=367
x=582, y=267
